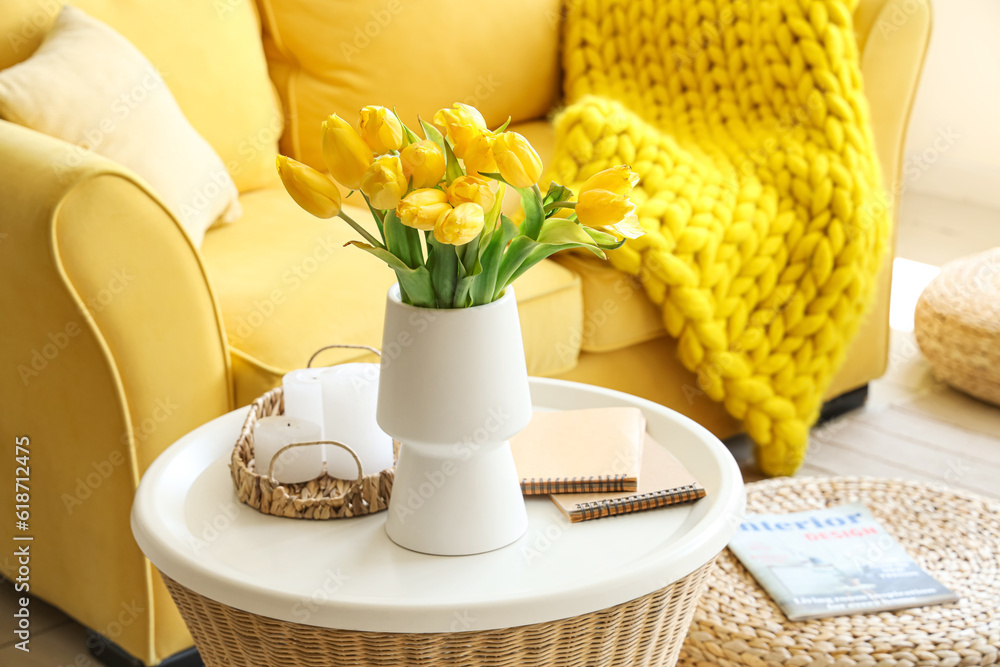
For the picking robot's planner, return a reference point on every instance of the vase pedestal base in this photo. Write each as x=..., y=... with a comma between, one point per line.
x=456, y=500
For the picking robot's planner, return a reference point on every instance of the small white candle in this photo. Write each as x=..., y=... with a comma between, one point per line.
x=303, y=392
x=350, y=395
x=300, y=464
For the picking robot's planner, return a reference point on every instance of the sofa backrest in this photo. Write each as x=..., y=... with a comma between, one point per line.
x=208, y=51
x=335, y=56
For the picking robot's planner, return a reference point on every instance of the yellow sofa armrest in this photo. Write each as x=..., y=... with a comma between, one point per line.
x=893, y=37
x=112, y=349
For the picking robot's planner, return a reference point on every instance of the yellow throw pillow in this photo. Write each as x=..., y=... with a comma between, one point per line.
x=337, y=56
x=208, y=51
x=87, y=85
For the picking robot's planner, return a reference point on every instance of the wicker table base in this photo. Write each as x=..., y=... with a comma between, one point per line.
x=954, y=535
x=646, y=631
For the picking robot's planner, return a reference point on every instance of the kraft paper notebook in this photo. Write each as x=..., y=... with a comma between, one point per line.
x=580, y=451
x=663, y=481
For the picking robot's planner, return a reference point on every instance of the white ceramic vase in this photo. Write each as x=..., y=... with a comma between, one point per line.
x=453, y=390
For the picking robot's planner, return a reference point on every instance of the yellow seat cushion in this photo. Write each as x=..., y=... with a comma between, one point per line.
x=340, y=55
x=287, y=286
x=616, y=311
x=209, y=54
x=653, y=371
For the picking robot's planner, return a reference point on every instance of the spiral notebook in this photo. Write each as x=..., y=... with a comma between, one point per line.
x=580, y=451
x=663, y=481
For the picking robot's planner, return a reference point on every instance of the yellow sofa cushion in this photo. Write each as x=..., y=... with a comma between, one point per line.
x=287, y=286
x=83, y=69
x=339, y=55
x=210, y=55
x=616, y=311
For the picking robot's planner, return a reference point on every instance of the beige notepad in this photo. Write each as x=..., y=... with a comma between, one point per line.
x=663, y=481
x=580, y=451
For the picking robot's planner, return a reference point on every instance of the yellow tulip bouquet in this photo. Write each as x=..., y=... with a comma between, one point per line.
x=437, y=202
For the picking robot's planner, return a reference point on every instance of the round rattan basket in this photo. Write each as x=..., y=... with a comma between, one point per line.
x=647, y=631
x=957, y=325
x=952, y=534
x=323, y=498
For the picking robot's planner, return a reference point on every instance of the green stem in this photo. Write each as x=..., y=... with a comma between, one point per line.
x=559, y=204
x=538, y=192
x=378, y=215
x=360, y=230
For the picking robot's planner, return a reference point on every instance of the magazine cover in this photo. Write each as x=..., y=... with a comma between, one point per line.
x=832, y=562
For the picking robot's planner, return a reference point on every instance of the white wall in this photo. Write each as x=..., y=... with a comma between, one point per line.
x=953, y=146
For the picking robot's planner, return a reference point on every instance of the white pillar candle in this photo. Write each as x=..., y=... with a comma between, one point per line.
x=304, y=395
x=299, y=464
x=350, y=396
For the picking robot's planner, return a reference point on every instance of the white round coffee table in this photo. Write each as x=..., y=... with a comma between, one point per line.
x=317, y=581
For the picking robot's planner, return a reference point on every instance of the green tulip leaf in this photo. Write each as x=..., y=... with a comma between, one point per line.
x=518, y=251
x=531, y=203
x=432, y=133
x=408, y=136
x=463, y=297
x=454, y=169
x=603, y=239
x=556, y=192
x=469, y=254
x=494, y=213
x=377, y=214
x=402, y=241
x=523, y=252
x=415, y=283
x=534, y=212
x=561, y=230
x=442, y=262
x=539, y=252
x=509, y=229
x=485, y=283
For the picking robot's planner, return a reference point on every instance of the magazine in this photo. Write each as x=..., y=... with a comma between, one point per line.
x=832, y=562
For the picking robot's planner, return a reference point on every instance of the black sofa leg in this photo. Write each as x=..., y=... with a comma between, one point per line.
x=110, y=654
x=844, y=403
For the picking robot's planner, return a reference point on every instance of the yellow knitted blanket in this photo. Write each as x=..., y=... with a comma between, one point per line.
x=760, y=190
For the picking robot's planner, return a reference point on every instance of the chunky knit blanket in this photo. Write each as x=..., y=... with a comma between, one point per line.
x=760, y=189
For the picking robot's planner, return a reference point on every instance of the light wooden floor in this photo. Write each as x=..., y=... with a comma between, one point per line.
x=912, y=426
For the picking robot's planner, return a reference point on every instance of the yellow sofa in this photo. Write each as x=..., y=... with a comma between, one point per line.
x=119, y=336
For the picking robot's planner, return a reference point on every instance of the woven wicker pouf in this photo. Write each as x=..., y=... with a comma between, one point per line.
x=954, y=535
x=957, y=324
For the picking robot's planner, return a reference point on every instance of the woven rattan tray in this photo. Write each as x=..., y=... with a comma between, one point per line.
x=322, y=498
x=954, y=535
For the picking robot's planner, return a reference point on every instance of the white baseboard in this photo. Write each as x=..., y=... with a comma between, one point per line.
x=958, y=180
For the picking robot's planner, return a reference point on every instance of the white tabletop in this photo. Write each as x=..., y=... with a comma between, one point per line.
x=347, y=574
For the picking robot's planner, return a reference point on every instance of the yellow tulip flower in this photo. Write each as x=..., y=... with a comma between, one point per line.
x=619, y=179
x=346, y=155
x=384, y=182
x=460, y=225
x=518, y=162
x=479, y=154
x=380, y=129
x=421, y=208
x=476, y=189
x=423, y=162
x=460, y=123
x=312, y=190
x=608, y=210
